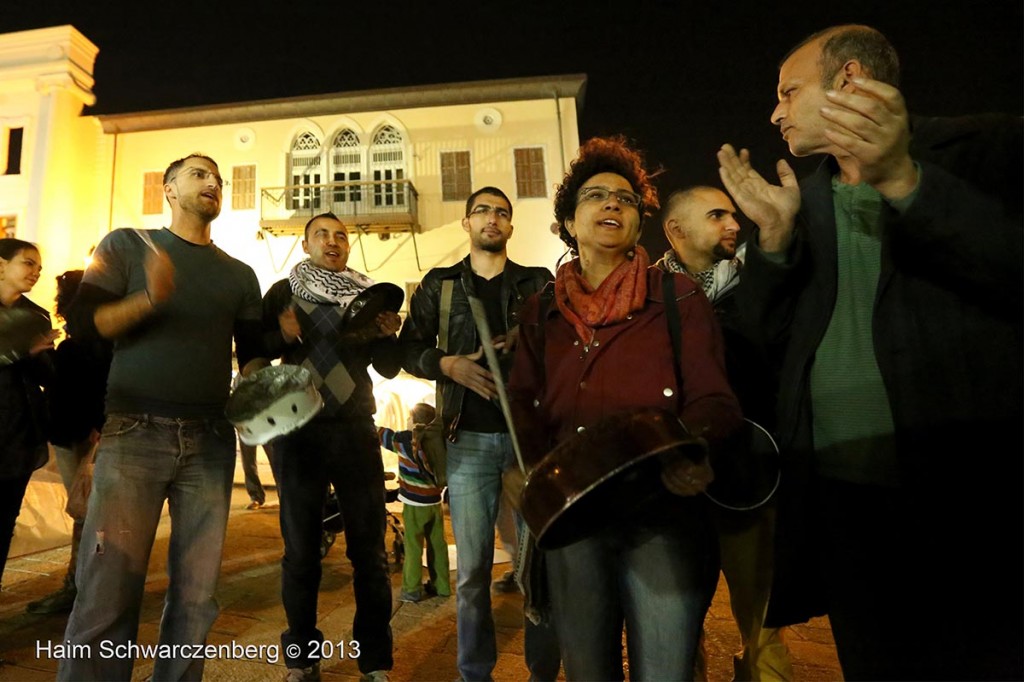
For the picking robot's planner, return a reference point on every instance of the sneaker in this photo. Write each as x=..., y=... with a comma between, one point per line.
x=60, y=601
x=410, y=597
x=255, y=504
x=506, y=584
x=310, y=674
x=375, y=676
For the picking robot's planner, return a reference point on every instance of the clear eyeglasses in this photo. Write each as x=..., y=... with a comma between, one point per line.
x=595, y=193
x=200, y=174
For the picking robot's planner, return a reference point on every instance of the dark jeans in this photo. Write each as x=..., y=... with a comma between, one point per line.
x=12, y=492
x=347, y=454
x=916, y=589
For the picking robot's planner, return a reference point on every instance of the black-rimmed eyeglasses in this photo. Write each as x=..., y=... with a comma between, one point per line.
x=484, y=209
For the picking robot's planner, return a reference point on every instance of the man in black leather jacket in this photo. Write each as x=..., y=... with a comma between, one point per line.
x=446, y=348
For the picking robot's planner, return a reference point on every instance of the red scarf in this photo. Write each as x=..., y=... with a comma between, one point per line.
x=621, y=293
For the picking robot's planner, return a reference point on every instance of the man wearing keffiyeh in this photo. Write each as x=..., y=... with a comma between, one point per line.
x=700, y=224
x=303, y=319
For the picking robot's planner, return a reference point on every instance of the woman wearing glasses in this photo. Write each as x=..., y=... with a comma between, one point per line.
x=604, y=348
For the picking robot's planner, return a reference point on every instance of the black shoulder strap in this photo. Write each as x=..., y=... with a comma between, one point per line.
x=544, y=300
x=668, y=287
x=447, y=289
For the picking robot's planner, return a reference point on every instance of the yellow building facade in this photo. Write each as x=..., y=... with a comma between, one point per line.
x=395, y=164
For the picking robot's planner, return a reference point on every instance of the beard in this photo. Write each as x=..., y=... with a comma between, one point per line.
x=723, y=252
x=490, y=244
x=198, y=207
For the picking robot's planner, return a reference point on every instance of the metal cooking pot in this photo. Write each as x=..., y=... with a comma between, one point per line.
x=272, y=402
x=19, y=328
x=588, y=481
x=370, y=302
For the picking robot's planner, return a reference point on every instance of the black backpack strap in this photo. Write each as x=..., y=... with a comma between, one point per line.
x=668, y=287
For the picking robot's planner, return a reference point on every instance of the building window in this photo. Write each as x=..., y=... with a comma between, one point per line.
x=456, y=183
x=346, y=167
x=8, y=226
x=387, y=163
x=243, y=187
x=530, y=181
x=15, y=138
x=153, y=193
x=305, y=172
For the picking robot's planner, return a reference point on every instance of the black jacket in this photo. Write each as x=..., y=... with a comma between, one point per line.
x=382, y=353
x=23, y=423
x=946, y=329
x=419, y=338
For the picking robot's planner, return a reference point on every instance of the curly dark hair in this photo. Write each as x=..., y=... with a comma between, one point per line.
x=67, y=287
x=603, y=155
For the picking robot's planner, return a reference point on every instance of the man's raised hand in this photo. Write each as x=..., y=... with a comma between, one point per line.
x=773, y=208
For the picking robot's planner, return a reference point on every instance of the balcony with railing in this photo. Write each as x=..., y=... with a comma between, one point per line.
x=376, y=206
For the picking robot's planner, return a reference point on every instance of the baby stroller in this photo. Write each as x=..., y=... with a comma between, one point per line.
x=334, y=523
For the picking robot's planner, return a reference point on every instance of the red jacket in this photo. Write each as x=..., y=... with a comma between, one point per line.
x=629, y=366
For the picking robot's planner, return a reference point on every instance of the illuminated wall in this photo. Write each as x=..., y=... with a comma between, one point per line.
x=54, y=197
x=427, y=131
x=81, y=176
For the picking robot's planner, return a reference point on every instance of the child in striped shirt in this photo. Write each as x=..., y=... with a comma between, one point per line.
x=420, y=483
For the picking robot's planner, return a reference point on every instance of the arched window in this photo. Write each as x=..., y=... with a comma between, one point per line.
x=346, y=167
x=306, y=171
x=387, y=166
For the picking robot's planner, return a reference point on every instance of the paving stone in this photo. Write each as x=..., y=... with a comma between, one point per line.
x=251, y=615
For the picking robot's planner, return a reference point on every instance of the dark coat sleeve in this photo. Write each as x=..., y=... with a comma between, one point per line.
x=420, y=355
x=960, y=238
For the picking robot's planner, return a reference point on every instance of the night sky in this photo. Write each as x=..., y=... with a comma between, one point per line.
x=679, y=78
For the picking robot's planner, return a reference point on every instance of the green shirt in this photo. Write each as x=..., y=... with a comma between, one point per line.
x=853, y=426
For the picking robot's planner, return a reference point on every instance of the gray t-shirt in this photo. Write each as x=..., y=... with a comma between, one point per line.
x=176, y=363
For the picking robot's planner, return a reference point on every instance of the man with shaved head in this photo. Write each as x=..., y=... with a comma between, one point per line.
x=700, y=224
x=890, y=283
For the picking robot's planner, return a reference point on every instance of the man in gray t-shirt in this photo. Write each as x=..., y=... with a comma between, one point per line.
x=172, y=302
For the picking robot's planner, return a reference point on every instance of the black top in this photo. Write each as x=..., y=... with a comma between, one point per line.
x=22, y=410
x=479, y=414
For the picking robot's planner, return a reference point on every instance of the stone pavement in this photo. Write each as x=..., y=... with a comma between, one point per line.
x=251, y=614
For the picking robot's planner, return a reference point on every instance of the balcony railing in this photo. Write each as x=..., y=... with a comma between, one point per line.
x=381, y=206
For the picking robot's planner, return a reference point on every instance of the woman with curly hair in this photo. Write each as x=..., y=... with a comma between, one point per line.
x=603, y=348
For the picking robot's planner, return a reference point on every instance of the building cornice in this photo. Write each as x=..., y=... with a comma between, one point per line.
x=59, y=57
x=388, y=99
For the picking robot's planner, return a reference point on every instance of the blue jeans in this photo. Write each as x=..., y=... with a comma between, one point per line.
x=253, y=485
x=347, y=454
x=653, y=579
x=475, y=463
x=142, y=461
